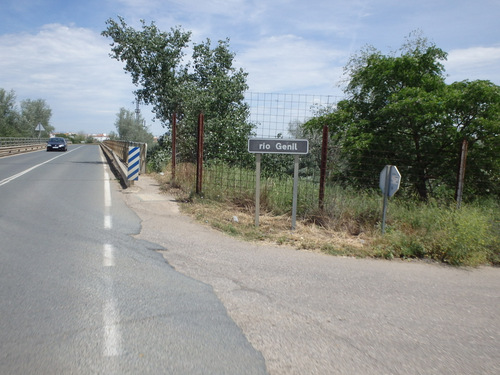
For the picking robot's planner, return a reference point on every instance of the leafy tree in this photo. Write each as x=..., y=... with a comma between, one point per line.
x=216, y=88
x=395, y=103
x=400, y=111
x=9, y=117
x=208, y=83
x=131, y=127
x=474, y=109
x=23, y=124
x=154, y=60
x=34, y=112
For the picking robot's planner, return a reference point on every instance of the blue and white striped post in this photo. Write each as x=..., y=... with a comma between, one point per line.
x=133, y=163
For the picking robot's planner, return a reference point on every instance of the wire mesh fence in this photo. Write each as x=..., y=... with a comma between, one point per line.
x=279, y=116
x=274, y=113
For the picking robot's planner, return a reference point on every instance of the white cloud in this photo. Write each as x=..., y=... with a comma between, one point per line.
x=292, y=64
x=71, y=70
x=286, y=46
x=474, y=63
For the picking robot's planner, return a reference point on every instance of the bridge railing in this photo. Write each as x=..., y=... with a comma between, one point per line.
x=12, y=145
x=14, y=141
x=118, y=152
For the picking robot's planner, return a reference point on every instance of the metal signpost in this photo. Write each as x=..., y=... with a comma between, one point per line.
x=390, y=179
x=294, y=147
x=40, y=128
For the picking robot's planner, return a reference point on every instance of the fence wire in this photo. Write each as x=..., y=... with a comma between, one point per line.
x=274, y=113
x=278, y=115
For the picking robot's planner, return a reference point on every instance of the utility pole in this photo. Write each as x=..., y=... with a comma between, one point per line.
x=137, y=110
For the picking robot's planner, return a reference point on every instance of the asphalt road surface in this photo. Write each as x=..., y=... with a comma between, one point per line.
x=80, y=295
x=309, y=313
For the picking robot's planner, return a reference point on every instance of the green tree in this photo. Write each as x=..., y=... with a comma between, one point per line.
x=34, y=112
x=154, y=60
x=474, y=109
x=216, y=89
x=400, y=111
x=395, y=102
x=131, y=127
x=23, y=124
x=208, y=83
x=9, y=117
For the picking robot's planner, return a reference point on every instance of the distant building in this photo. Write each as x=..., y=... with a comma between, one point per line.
x=100, y=137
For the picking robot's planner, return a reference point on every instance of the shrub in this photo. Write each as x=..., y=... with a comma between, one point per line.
x=436, y=230
x=158, y=160
x=455, y=236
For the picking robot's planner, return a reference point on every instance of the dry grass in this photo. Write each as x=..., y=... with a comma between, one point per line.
x=238, y=219
x=414, y=231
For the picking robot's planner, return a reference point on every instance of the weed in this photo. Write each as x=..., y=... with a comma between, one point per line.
x=349, y=224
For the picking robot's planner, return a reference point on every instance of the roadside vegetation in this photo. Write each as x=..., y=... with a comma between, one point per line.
x=435, y=230
x=23, y=121
x=398, y=110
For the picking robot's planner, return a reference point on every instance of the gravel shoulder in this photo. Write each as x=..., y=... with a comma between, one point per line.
x=311, y=313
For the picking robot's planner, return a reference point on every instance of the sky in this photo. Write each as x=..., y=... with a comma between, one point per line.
x=53, y=49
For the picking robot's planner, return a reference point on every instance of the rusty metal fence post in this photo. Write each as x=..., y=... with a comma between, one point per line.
x=199, y=163
x=174, y=138
x=322, y=178
x=461, y=173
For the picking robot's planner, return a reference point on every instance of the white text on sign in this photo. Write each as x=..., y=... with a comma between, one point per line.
x=278, y=146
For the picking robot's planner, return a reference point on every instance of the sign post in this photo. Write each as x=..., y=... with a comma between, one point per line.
x=390, y=179
x=295, y=147
x=257, y=189
x=40, y=128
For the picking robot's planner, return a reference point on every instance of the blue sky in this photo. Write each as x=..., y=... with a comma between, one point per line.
x=53, y=50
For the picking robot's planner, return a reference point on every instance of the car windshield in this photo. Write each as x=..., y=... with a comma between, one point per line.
x=56, y=140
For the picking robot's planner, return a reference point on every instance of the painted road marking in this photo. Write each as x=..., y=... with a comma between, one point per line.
x=109, y=256
x=111, y=316
x=111, y=320
x=12, y=178
x=108, y=223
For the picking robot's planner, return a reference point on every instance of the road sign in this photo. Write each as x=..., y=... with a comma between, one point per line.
x=389, y=183
x=294, y=147
x=390, y=179
x=278, y=146
x=40, y=128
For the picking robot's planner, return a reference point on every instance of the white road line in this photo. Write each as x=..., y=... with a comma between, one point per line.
x=109, y=256
x=112, y=335
x=107, y=190
x=12, y=178
x=108, y=224
x=111, y=316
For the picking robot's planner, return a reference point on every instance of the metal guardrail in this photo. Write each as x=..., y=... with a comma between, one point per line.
x=117, y=153
x=14, y=141
x=121, y=150
x=13, y=146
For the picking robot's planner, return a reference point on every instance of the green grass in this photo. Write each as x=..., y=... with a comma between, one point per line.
x=464, y=236
x=469, y=236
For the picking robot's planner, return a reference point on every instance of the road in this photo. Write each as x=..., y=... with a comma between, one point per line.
x=311, y=313
x=79, y=294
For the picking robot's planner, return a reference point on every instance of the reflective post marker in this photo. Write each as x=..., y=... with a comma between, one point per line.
x=133, y=163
